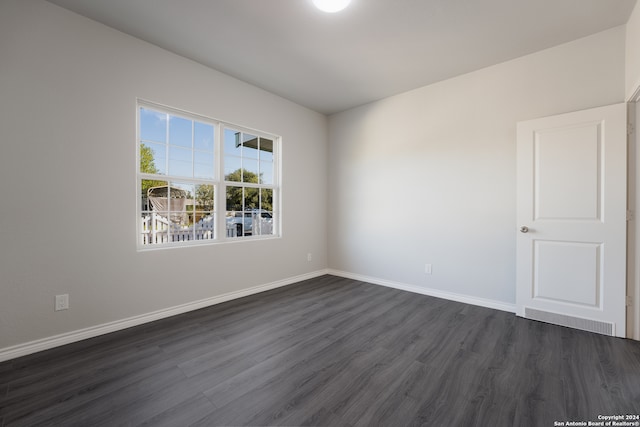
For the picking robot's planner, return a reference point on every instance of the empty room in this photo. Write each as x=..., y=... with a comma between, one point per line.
x=319, y=213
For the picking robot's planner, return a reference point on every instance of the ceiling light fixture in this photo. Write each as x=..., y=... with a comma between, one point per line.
x=331, y=6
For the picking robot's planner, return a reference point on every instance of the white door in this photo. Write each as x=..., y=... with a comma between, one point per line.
x=571, y=244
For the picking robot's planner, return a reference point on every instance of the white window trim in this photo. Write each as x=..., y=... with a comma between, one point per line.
x=218, y=181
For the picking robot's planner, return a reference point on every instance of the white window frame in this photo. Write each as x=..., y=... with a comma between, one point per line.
x=218, y=182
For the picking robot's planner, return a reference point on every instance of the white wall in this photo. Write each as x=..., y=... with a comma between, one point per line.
x=68, y=89
x=632, y=75
x=428, y=176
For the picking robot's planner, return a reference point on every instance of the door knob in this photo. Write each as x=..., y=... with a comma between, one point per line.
x=524, y=229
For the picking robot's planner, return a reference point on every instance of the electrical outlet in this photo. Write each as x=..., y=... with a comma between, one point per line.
x=427, y=269
x=62, y=302
x=309, y=257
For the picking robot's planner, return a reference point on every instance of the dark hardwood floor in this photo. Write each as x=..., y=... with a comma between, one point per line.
x=328, y=351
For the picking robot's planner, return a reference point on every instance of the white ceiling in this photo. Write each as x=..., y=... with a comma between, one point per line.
x=371, y=50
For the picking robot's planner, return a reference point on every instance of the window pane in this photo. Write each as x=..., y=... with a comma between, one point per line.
x=180, y=201
x=250, y=170
x=182, y=233
x=155, y=218
x=264, y=216
x=203, y=136
x=180, y=132
x=204, y=222
x=266, y=172
x=251, y=199
x=180, y=161
x=155, y=228
x=262, y=224
x=234, y=198
x=201, y=170
x=232, y=169
x=266, y=200
x=248, y=223
x=266, y=149
x=234, y=217
x=249, y=146
x=186, y=231
x=153, y=125
x=146, y=185
x=153, y=158
x=232, y=146
x=203, y=164
x=204, y=197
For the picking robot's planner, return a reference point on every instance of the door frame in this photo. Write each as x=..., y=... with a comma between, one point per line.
x=633, y=205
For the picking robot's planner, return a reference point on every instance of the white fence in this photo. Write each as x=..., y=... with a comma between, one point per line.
x=158, y=229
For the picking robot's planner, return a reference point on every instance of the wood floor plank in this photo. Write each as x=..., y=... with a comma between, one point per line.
x=147, y=399
x=223, y=392
x=28, y=395
x=270, y=400
x=621, y=383
x=376, y=384
x=397, y=407
x=327, y=351
x=93, y=390
x=186, y=413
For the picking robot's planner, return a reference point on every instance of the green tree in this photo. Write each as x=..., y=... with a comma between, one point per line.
x=251, y=195
x=148, y=165
x=147, y=162
x=204, y=197
x=242, y=175
x=267, y=199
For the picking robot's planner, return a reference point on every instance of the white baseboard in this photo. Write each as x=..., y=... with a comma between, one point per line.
x=482, y=302
x=105, y=328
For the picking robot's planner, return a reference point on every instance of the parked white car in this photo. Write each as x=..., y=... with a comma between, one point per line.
x=244, y=220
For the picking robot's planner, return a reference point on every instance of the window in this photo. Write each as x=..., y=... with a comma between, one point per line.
x=248, y=175
x=189, y=166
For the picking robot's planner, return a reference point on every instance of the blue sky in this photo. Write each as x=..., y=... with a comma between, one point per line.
x=187, y=148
